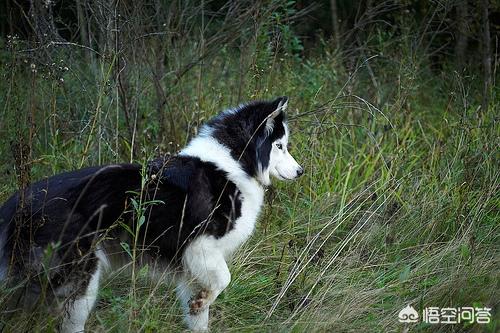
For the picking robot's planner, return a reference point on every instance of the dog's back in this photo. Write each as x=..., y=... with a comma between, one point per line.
x=65, y=210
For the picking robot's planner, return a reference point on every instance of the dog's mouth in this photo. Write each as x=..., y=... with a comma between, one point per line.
x=281, y=177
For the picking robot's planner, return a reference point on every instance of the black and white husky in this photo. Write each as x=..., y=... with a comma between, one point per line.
x=61, y=232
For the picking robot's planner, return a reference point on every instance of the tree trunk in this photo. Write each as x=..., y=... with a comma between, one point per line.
x=461, y=36
x=486, y=54
x=82, y=25
x=335, y=23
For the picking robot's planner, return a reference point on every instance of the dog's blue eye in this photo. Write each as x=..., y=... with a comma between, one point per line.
x=279, y=146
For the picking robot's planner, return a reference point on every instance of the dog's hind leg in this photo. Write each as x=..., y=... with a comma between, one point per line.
x=76, y=311
x=206, y=275
x=198, y=321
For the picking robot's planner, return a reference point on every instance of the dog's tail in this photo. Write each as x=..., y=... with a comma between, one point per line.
x=3, y=255
x=7, y=216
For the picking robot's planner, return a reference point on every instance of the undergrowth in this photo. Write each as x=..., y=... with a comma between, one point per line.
x=399, y=203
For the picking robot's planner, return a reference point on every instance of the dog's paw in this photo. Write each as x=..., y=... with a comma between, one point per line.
x=200, y=302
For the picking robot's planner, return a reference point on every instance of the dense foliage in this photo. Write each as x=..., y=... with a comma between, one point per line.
x=400, y=200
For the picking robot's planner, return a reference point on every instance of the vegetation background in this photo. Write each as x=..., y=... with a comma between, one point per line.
x=394, y=112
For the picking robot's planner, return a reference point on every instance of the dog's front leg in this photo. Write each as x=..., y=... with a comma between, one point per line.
x=206, y=275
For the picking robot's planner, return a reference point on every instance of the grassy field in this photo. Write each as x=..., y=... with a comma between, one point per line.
x=399, y=203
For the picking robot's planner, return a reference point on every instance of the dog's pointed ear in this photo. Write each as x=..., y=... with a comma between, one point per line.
x=277, y=106
x=281, y=105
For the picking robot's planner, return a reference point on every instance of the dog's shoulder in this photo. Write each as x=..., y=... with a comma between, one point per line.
x=209, y=198
x=173, y=170
x=199, y=181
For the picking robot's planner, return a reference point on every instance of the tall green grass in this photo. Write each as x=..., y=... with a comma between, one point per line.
x=399, y=203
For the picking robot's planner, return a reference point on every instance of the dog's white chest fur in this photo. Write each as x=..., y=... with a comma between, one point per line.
x=252, y=193
x=252, y=198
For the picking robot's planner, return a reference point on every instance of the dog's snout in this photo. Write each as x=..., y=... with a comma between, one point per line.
x=300, y=172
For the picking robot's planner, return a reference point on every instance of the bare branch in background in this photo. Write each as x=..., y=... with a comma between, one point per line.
x=42, y=20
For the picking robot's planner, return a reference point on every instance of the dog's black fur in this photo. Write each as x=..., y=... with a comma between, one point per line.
x=72, y=211
x=63, y=220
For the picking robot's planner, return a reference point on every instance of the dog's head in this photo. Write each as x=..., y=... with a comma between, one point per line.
x=273, y=157
x=257, y=136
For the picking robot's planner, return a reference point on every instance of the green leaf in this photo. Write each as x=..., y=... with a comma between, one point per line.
x=135, y=204
x=126, y=247
x=142, y=219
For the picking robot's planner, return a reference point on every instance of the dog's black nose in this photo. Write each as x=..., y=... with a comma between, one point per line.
x=300, y=172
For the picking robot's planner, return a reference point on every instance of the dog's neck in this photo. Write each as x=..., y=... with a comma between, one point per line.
x=208, y=149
